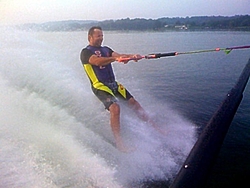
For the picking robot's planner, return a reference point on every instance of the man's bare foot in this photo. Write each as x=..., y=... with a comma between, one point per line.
x=121, y=147
x=161, y=131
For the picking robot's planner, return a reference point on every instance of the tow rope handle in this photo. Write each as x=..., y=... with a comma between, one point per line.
x=149, y=56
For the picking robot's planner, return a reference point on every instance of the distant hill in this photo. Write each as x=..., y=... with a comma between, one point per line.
x=66, y=25
x=238, y=22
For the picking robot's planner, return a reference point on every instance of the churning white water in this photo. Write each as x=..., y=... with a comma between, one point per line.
x=55, y=133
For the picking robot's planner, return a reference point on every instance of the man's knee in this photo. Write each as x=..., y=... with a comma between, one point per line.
x=134, y=104
x=114, y=108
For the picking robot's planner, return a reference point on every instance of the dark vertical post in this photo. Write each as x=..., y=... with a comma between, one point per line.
x=200, y=160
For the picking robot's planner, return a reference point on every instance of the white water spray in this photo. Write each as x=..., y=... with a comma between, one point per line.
x=55, y=133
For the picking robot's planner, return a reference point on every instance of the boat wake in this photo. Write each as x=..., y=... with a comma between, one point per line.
x=55, y=133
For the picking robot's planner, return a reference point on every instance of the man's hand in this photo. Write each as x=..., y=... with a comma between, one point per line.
x=137, y=57
x=127, y=58
x=123, y=59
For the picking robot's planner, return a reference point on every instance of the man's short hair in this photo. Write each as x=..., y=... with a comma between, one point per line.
x=91, y=30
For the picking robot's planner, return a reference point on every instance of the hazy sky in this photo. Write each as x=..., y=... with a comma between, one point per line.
x=27, y=11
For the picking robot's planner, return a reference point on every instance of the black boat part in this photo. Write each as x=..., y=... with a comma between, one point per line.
x=198, y=165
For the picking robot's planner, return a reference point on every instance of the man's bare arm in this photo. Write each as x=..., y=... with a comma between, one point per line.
x=101, y=61
x=121, y=56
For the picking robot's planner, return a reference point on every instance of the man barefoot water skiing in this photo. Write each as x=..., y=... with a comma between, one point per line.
x=96, y=60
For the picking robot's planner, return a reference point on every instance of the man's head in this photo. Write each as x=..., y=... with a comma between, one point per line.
x=95, y=36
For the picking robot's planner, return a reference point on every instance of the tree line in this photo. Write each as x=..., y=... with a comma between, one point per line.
x=177, y=23
x=237, y=22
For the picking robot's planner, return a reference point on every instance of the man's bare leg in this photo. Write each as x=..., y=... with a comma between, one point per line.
x=140, y=112
x=115, y=126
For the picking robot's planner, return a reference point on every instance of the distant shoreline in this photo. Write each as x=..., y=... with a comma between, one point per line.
x=197, y=23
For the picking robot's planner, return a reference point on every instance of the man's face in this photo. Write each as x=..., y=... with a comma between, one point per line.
x=97, y=38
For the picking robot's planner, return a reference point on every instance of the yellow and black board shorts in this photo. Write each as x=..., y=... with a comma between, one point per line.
x=109, y=95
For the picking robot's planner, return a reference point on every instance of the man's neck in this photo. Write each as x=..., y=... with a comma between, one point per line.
x=95, y=46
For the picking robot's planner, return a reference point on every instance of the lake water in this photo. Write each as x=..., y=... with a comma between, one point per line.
x=55, y=133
